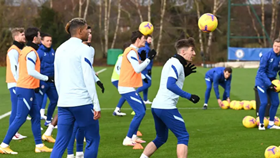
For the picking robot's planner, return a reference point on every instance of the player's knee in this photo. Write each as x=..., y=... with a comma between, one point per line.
x=140, y=114
x=263, y=103
x=274, y=102
x=159, y=141
x=183, y=139
x=208, y=89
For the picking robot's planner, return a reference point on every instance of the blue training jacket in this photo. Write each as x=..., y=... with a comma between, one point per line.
x=147, y=50
x=46, y=56
x=216, y=76
x=268, y=69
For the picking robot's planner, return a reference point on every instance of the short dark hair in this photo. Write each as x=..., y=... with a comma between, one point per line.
x=30, y=33
x=126, y=44
x=228, y=69
x=43, y=35
x=185, y=43
x=135, y=35
x=73, y=24
x=277, y=40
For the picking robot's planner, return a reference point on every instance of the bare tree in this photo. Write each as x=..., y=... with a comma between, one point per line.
x=217, y=6
x=263, y=23
x=74, y=5
x=51, y=3
x=117, y=24
x=149, y=10
x=254, y=25
x=106, y=23
x=136, y=3
x=86, y=9
x=274, y=18
x=100, y=27
x=81, y=2
x=161, y=25
x=199, y=31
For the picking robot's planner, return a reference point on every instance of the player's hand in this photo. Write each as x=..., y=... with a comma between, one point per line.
x=194, y=98
x=145, y=80
x=50, y=79
x=97, y=115
x=143, y=55
x=228, y=100
x=100, y=84
x=220, y=102
x=152, y=54
x=189, y=69
x=272, y=87
x=96, y=74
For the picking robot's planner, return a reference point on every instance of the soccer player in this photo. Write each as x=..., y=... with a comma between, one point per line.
x=268, y=69
x=147, y=72
x=75, y=84
x=79, y=133
x=115, y=81
x=27, y=85
x=12, y=72
x=46, y=55
x=130, y=78
x=165, y=113
x=218, y=76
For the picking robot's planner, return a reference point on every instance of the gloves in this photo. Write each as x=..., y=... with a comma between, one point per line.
x=189, y=68
x=50, y=79
x=143, y=55
x=150, y=73
x=101, y=86
x=272, y=87
x=37, y=90
x=152, y=54
x=194, y=98
x=145, y=80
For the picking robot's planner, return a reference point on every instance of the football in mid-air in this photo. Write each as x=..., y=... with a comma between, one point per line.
x=146, y=28
x=207, y=22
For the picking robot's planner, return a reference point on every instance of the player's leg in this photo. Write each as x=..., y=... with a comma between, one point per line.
x=43, y=106
x=23, y=107
x=207, y=92
x=36, y=126
x=70, y=147
x=13, y=96
x=161, y=135
x=263, y=103
x=53, y=96
x=84, y=117
x=66, y=121
x=47, y=136
x=136, y=103
x=40, y=98
x=117, y=111
x=274, y=100
x=174, y=121
x=145, y=91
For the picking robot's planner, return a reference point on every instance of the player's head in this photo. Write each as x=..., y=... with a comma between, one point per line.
x=46, y=40
x=149, y=39
x=138, y=39
x=227, y=72
x=89, y=34
x=125, y=45
x=77, y=27
x=276, y=45
x=185, y=48
x=32, y=34
x=18, y=35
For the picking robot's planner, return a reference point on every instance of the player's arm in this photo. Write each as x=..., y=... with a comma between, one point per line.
x=173, y=87
x=13, y=56
x=31, y=61
x=262, y=69
x=132, y=57
x=88, y=75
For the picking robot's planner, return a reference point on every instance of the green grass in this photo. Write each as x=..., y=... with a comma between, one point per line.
x=214, y=133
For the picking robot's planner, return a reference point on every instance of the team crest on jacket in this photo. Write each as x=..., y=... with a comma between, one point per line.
x=52, y=54
x=43, y=86
x=31, y=99
x=45, y=53
x=271, y=60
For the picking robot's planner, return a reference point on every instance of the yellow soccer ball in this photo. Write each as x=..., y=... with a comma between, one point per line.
x=265, y=121
x=246, y=105
x=272, y=152
x=207, y=22
x=232, y=104
x=225, y=105
x=249, y=122
x=253, y=104
x=276, y=121
x=238, y=105
x=146, y=28
x=277, y=84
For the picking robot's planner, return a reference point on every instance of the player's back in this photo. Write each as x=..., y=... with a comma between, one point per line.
x=69, y=78
x=166, y=99
x=210, y=73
